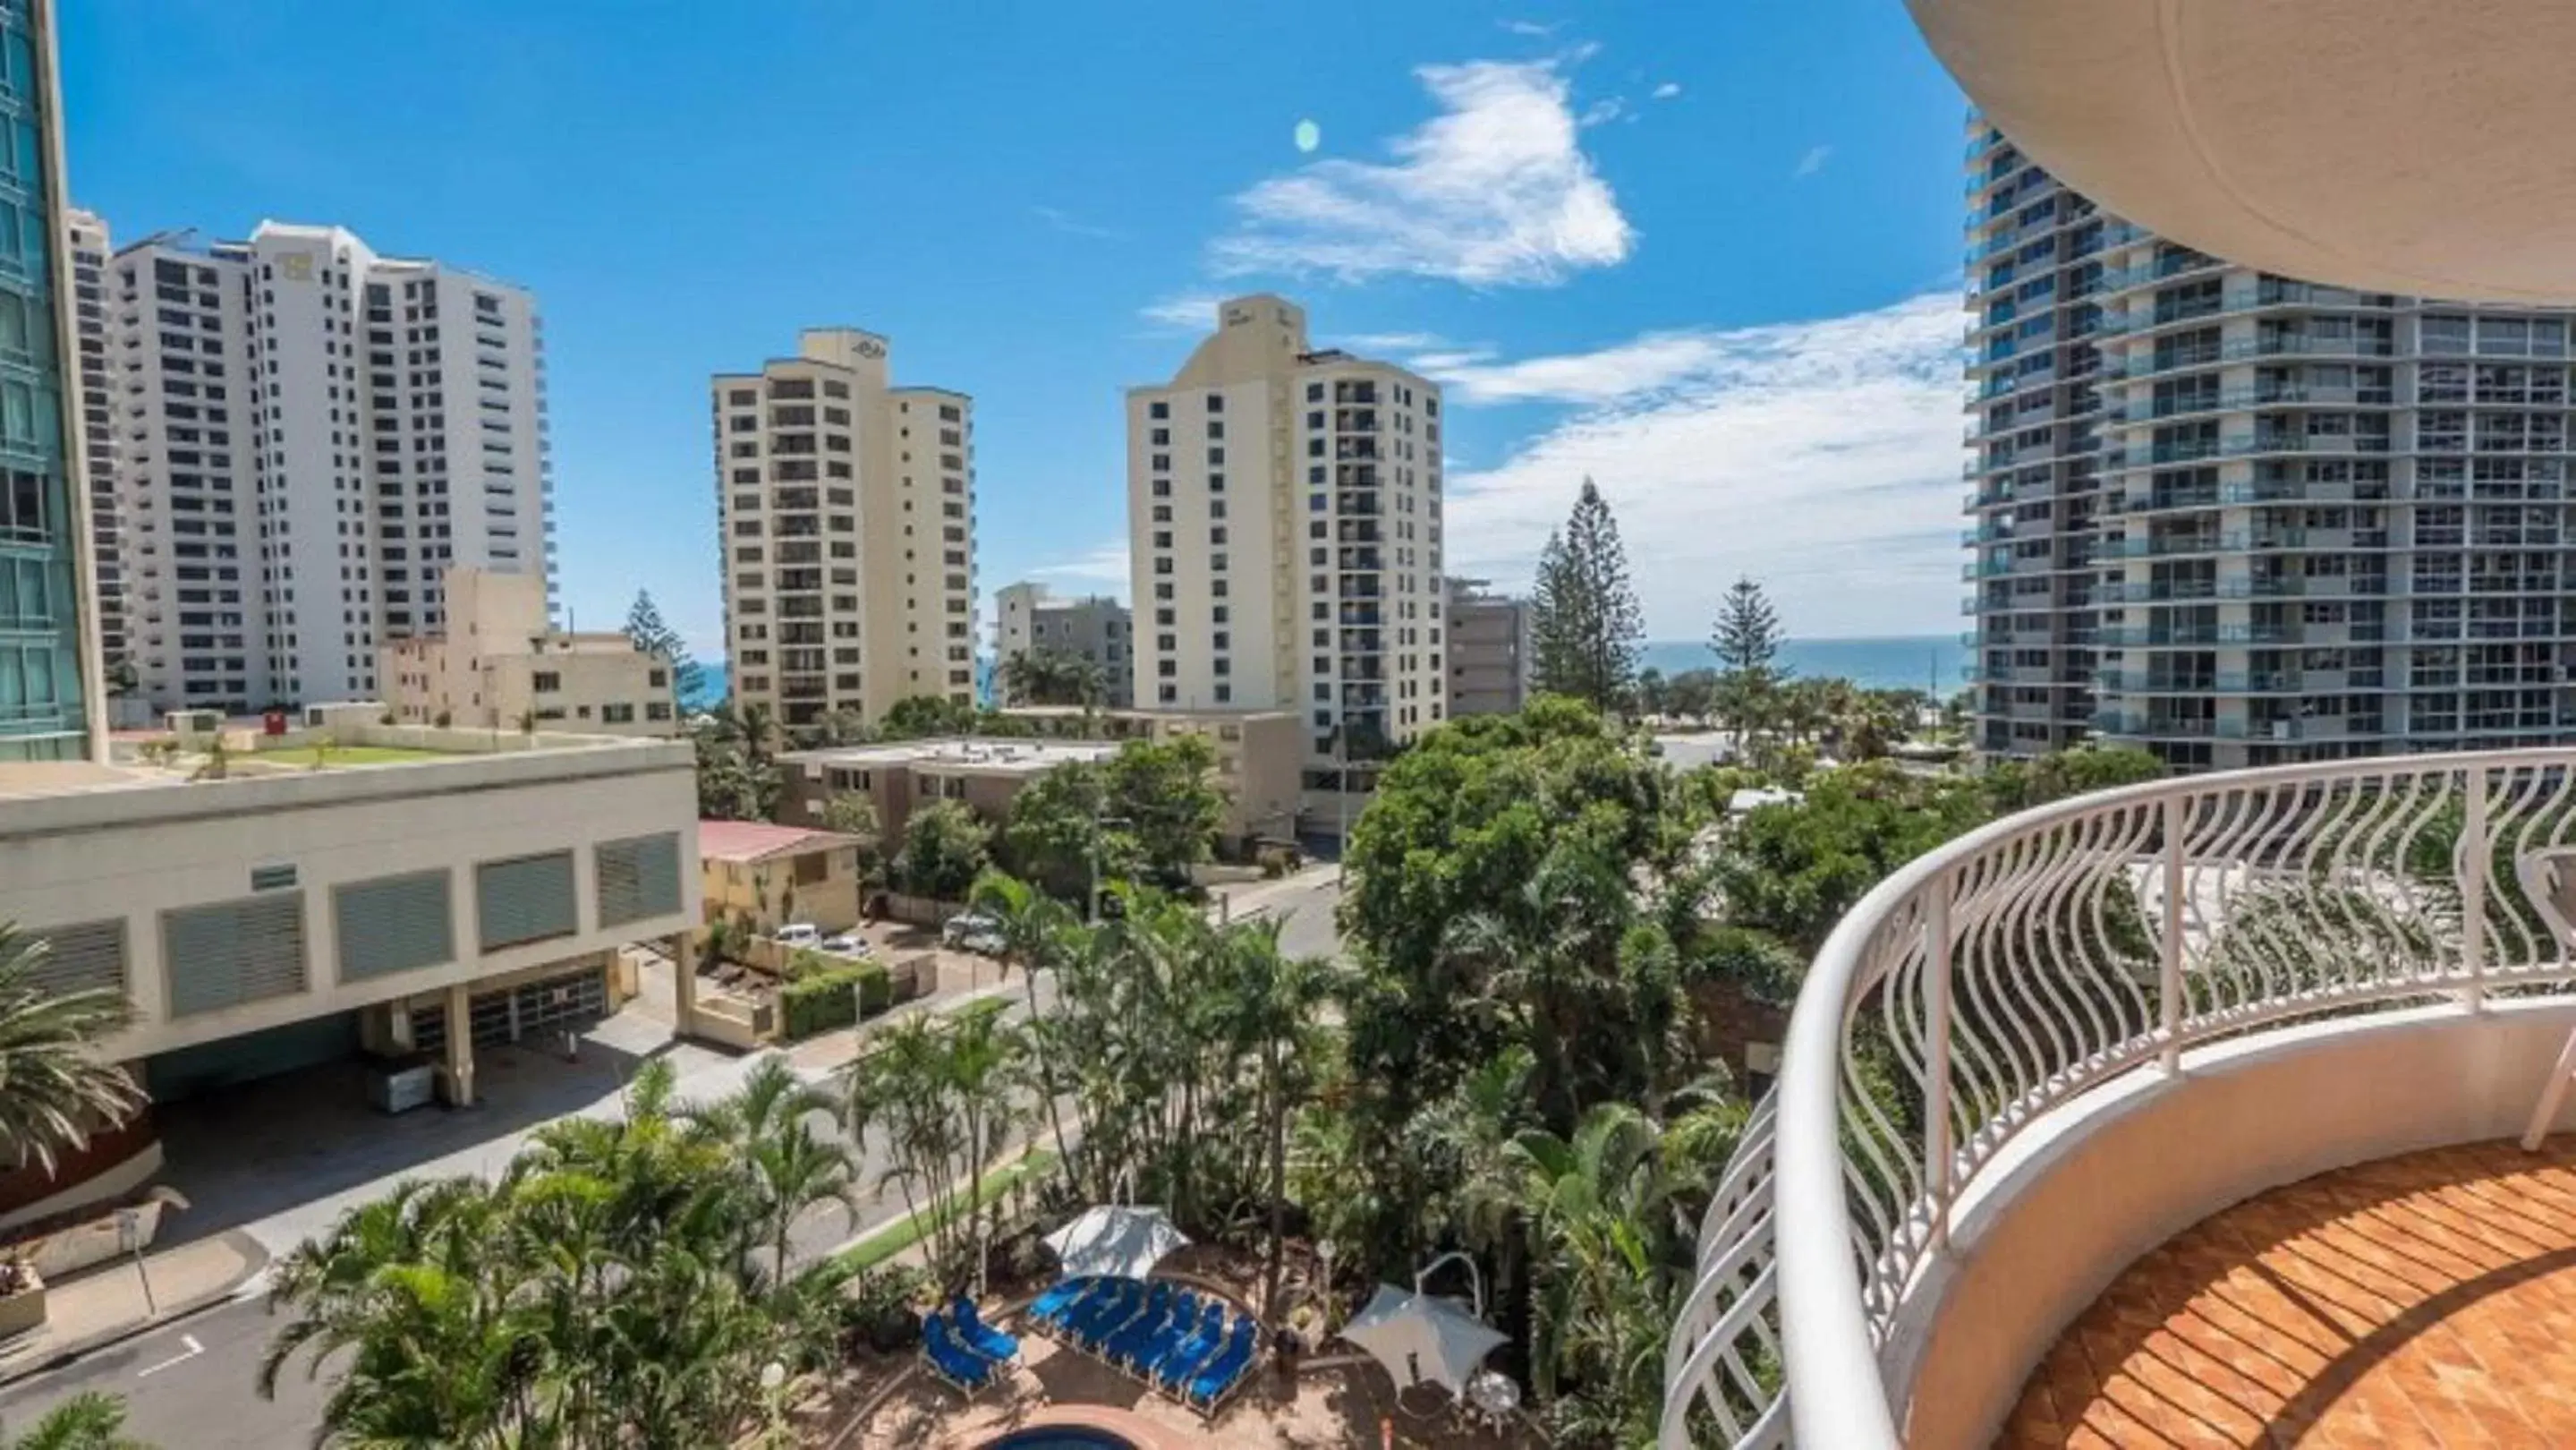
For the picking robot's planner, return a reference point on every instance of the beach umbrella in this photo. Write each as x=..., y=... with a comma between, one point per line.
x=1419, y=1338
x=1116, y=1241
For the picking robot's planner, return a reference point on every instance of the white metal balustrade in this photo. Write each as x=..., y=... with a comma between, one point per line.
x=2040, y=957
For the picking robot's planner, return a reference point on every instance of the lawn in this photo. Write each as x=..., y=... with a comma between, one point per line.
x=303, y=756
x=912, y=1228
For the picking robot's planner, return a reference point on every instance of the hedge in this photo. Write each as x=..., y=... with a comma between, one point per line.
x=823, y=1001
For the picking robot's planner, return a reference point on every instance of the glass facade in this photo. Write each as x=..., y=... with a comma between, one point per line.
x=42, y=713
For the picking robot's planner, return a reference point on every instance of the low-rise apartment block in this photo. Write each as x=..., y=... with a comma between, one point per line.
x=768, y=875
x=500, y=664
x=901, y=777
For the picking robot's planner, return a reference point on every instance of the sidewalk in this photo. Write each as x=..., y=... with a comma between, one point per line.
x=103, y=1305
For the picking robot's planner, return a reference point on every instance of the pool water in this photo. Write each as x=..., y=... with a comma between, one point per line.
x=1068, y=1437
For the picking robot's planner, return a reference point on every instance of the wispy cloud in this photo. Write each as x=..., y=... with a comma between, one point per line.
x=1066, y=222
x=1102, y=570
x=1608, y=108
x=1667, y=90
x=1408, y=342
x=1495, y=190
x=1188, y=311
x=1813, y=162
x=1529, y=28
x=1819, y=457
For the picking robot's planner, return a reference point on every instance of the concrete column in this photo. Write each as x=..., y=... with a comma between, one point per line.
x=684, y=983
x=456, y=1072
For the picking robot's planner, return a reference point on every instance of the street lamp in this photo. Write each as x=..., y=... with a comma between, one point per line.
x=1100, y=823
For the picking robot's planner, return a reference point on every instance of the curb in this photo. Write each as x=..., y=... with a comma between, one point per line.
x=57, y=1357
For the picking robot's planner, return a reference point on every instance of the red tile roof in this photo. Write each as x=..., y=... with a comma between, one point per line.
x=759, y=840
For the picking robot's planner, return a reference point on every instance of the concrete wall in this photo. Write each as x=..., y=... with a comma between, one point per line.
x=133, y=853
x=2088, y=1189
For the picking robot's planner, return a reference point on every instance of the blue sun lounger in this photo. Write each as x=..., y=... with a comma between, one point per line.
x=1103, y=1313
x=1137, y=1338
x=1194, y=1351
x=1049, y=1307
x=979, y=1336
x=952, y=1361
x=1223, y=1375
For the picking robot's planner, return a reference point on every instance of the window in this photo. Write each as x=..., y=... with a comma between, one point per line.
x=638, y=878
x=393, y=924
x=234, y=952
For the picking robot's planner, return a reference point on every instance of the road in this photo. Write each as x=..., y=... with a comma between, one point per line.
x=190, y=1383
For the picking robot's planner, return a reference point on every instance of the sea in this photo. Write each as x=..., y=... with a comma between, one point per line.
x=1883, y=662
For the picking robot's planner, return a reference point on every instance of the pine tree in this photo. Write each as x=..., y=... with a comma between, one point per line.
x=645, y=629
x=1747, y=642
x=1586, y=626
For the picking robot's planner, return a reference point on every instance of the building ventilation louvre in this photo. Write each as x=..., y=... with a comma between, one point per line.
x=394, y=924
x=234, y=952
x=83, y=958
x=639, y=878
x=525, y=900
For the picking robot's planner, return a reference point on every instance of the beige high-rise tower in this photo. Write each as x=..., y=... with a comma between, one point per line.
x=1283, y=509
x=848, y=517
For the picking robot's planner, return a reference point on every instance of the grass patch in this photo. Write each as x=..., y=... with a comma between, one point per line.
x=305, y=757
x=912, y=1228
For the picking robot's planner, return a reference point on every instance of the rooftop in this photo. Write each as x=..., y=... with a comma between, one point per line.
x=968, y=755
x=759, y=840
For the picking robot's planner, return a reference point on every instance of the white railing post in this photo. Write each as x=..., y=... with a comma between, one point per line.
x=1936, y=1056
x=2169, y=966
x=2473, y=890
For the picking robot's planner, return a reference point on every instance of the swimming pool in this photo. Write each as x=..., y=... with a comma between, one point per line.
x=1062, y=1437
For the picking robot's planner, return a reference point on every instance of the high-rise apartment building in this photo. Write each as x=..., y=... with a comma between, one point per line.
x=1283, y=512
x=89, y=252
x=848, y=521
x=1489, y=650
x=50, y=687
x=2240, y=519
x=1027, y=619
x=306, y=435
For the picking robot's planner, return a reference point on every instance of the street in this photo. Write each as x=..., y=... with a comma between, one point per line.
x=190, y=1383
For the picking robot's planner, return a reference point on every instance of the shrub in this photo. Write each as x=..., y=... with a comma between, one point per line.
x=877, y=1309
x=820, y=1001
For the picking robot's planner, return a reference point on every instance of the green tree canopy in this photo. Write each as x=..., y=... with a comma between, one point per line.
x=1747, y=644
x=1586, y=626
x=945, y=847
x=646, y=630
x=921, y=717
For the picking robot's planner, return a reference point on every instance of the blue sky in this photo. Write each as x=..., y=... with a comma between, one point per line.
x=1707, y=253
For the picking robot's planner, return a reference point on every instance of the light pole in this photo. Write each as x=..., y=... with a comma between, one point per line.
x=1098, y=824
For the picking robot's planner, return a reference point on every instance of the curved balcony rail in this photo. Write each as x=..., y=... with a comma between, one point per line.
x=2035, y=960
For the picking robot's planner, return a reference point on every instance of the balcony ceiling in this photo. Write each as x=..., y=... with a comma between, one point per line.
x=2389, y=145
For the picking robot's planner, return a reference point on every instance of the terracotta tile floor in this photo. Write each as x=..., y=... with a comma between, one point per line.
x=2424, y=1300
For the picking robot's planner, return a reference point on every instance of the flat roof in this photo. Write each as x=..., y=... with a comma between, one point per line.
x=963, y=754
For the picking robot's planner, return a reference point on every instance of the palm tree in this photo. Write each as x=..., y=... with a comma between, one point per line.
x=767, y=1125
x=1600, y=1206
x=1273, y=1004
x=54, y=1089
x=984, y=1080
x=87, y=1421
x=1032, y=928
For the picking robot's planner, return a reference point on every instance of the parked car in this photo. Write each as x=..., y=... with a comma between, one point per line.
x=974, y=931
x=799, y=934
x=846, y=944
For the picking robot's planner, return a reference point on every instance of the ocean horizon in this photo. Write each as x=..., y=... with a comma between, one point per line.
x=1877, y=662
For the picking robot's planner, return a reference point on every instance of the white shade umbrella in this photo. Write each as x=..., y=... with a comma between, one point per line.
x=1419, y=1338
x=1114, y=1241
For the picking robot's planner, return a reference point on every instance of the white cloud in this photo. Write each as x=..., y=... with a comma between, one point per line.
x=1529, y=28
x=1821, y=458
x=1609, y=108
x=1813, y=162
x=1102, y=571
x=1191, y=311
x=1066, y=222
x=1667, y=90
x=1493, y=191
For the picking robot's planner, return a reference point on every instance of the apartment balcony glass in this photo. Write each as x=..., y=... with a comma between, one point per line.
x=2088, y=1027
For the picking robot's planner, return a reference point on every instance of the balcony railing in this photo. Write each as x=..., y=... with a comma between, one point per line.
x=2083, y=943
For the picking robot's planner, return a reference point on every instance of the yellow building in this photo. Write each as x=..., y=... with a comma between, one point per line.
x=772, y=875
